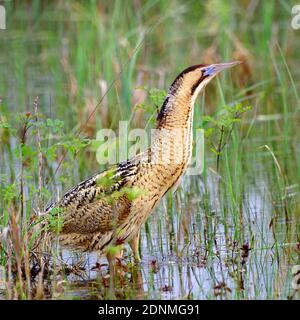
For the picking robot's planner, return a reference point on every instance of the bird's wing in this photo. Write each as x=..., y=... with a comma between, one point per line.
x=100, y=203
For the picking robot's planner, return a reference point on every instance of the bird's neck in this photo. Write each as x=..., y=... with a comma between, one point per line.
x=172, y=141
x=176, y=111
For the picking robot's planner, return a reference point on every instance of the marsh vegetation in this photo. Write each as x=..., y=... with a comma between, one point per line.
x=70, y=68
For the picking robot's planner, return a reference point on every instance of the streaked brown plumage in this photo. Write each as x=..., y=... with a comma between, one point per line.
x=109, y=208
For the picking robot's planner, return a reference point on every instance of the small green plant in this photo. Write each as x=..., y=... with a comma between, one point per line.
x=220, y=127
x=55, y=220
x=156, y=97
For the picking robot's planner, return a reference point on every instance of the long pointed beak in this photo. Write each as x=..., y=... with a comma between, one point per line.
x=213, y=69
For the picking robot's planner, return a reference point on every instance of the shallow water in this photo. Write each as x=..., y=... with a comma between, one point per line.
x=180, y=261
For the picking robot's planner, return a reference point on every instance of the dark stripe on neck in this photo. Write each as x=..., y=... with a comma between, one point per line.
x=196, y=85
x=163, y=110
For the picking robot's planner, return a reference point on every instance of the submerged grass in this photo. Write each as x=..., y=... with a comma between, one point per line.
x=232, y=233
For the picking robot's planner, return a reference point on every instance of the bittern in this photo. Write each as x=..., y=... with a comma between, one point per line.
x=108, y=209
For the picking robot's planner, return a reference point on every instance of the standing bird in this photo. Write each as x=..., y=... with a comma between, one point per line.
x=108, y=210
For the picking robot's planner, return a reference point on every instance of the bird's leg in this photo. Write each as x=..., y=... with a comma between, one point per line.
x=112, y=273
x=134, y=245
x=112, y=253
x=137, y=281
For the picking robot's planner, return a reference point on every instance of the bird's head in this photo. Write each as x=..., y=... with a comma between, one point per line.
x=193, y=79
x=186, y=87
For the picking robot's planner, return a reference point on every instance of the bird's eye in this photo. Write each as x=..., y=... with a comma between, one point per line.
x=209, y=71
